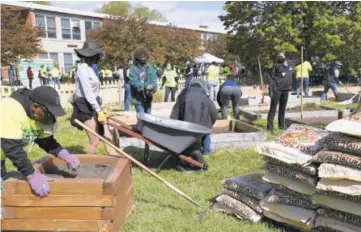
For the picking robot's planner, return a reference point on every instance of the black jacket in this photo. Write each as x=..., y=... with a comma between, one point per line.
x=13, y=148
x=194, y=106
x=282, y=76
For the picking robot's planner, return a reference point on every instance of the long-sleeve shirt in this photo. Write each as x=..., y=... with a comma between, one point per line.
x=87, y=85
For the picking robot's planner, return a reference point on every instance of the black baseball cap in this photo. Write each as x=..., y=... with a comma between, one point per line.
x=49, y=98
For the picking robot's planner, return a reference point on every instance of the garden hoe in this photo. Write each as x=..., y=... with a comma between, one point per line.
x=169, y=185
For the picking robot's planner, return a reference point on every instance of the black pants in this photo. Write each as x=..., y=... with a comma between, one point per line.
x=31, y=83
x=281, y=97
x=230, y=93
x=170, y=90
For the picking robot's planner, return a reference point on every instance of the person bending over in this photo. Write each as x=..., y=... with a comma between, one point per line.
x=229, y=91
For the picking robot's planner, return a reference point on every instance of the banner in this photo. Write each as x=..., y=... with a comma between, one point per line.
x=35, y=66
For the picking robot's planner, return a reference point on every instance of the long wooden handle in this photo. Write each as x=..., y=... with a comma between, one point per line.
x=169, y=185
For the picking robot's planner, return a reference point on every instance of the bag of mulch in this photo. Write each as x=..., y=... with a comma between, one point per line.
x=323, y=229
x=340, y=195
x=253, y=203
x=291, y=213
x=337, y=157
x=249, y=184
x=279, y=197
x=337, y=204
x=336, y=171
x=291, y=192
x=349, y=125
x=290, y=184
x=339, y=215
x=310, y=169
x=343, y=143
x=295, y=224
x=292, y=174
x=334, y=224
x=348, y=187
x=296, y=145
x=230, y=205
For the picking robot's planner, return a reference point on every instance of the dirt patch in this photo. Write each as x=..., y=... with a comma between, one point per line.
x=320, y=122
x=296, y=109
x=84, y=171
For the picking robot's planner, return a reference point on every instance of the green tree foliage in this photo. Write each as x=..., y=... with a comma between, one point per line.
x=124, y=8
x=19, y=41
x=328, y=30
x=218, y=46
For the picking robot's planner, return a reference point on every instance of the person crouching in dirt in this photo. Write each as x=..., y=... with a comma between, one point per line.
x=194, y=106
x=143, y=83
x=29, y=116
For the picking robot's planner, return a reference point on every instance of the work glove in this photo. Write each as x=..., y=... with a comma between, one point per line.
x=149, y=87
x=103, y=116
x=39, y=184
x=71, y=160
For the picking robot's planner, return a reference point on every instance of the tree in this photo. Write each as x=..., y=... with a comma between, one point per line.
x=326, y=29
x=218, y=47
x=124, y=8
x=19, y=41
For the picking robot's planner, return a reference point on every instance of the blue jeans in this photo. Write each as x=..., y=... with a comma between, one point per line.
x=56, y=82
x=213, y=91
x=127, y=96
x=327, y=86
x=306, y=83
x=207, y=145
x=142, y=108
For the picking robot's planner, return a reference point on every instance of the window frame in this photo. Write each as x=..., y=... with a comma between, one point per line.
x=45, y=18
x=71, y=28
x=61, y=19
x=65, y=64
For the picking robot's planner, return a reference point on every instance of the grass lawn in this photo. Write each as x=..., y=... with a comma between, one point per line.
x=157, y=208
x=334, y=104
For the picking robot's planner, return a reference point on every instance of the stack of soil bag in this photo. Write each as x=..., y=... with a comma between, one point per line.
x=241, y=195
x=292, y=175
x=339, y=189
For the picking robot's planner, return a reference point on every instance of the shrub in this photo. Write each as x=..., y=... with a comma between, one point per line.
x=158, y=96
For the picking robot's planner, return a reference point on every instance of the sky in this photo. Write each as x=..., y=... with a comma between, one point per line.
x=186, y=13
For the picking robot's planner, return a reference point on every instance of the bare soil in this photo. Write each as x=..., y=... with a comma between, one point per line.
x=84, y=171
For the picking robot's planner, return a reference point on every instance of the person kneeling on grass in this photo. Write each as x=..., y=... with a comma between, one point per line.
x=29, y=116
x=194, y=106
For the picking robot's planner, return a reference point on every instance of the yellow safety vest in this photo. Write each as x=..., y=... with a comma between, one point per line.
x=42, y=72
x=213, y=72
x=102, y=72
x=54, y=72
x=170, y=78
x=306, y=68
x=108, y=73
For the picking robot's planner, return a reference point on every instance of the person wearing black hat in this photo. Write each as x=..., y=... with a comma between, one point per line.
x=87, y=104
x=143, y=82
x=331, y=79
x=29, y=116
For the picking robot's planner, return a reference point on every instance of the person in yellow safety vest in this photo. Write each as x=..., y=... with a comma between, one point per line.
x=170, y=81
x=306, y=68
x=29, y=116
x=102, y=76
x=72, y=74
x=42, y=75
x=213, y=73
x=109, y=75
x=56, y=76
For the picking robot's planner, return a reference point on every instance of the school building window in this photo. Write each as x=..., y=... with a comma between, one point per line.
x=68, y=61
x=46, y=26
x=90, y=25
x=70, y=29
x=54, y=57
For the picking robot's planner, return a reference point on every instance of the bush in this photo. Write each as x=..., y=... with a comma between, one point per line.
x=116, y=75
x=65, y=76
x=158, y=96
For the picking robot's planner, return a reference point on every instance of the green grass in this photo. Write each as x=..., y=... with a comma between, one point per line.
x=157, y=208
x=334, y=104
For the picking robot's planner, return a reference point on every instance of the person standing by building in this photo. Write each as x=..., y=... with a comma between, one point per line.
x=143, y=82
x=170, y=81
x=55, y=74
x=306, y=69
x=72, y=74
x=42, y=75
x=331, y=79
x=213, y=80
x=279, y=89
x=127, y=90
x=30, y=75
x=12, y=76
x=108, y=75
x=88, y=107
x=102, y=76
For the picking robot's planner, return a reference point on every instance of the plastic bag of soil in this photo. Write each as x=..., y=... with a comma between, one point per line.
x=298, y=225
x=230, y=205
x=334, y=224
x=291, y=213
x=337, y=204
x=343, y=143
x=339, y=215
x=310, y=169
x=253, y=203
x=336, y=171
x=349, y=125
x=290, y=184
x=291, y=192
x=249, y=184
x=348, y=187
x=356, y=199
x=292, y=174
x=279, y=197
x=337, y=157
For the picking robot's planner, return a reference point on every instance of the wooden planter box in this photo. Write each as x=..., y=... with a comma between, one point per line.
x=74, y=204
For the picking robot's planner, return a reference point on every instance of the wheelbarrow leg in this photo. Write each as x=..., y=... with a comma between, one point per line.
x=146, y=154
x=163, y=162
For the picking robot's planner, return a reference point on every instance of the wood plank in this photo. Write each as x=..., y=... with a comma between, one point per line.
x=57, y=200
x=108, y=213
x=57, y=187
x=79, y=213
x=53, y=225
x=119, y=174
x=124, y=209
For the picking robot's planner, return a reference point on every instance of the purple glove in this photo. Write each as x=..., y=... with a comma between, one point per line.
x=71, y=160
x=39, y=184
